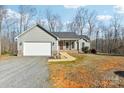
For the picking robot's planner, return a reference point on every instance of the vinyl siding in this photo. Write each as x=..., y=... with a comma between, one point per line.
x=86, y=44
x=36, y=35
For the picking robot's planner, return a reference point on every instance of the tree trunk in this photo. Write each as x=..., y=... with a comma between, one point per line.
x=0, y=44
x=0, y=36
x=97, y=39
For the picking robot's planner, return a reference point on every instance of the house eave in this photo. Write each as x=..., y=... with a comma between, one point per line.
x=68, y=38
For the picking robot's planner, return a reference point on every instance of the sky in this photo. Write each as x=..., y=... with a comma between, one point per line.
x=104, y=12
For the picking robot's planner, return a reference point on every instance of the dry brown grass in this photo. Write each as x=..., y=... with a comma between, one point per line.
x=4, y=57
x=87, y=71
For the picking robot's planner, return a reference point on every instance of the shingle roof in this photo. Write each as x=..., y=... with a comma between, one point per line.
x=70, y=35
x=84, y=37
x=66, y=34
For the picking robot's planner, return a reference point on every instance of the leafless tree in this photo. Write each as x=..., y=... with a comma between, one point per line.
x=40, y=20
x=91, y=20
x=122, y=33
x=26, y=16
x=57, y=23
x=48, y=17
x=10, y=32
x=116, y=25
x=97, y=37
x=109, y=35
x=71, y=27
x=80, y=20
x=103, y=30
x=2, y=14
x=54, y=21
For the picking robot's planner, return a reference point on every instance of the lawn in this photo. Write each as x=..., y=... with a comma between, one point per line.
x=88, y=71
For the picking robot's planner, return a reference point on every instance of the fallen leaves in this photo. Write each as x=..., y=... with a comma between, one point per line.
x=108, y=64
x=105, y=83
x=81, y=75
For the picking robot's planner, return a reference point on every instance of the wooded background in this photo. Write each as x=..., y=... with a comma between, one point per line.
x=105, y=37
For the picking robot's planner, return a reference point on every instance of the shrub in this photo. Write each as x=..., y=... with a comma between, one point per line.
x=9, y=53
x=5, y=52
x=85, y=49
x=93, y=51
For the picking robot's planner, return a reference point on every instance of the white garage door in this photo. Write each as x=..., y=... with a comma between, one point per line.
x=37, y=49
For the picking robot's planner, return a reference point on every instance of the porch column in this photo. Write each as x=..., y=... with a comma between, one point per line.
x=78, y=46
x=63, y=44
x=57, y=47
x=70, y=44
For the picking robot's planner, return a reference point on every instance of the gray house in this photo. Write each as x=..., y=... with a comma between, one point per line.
x=37, y=41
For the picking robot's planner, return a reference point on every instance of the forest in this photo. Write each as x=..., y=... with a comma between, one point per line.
x=105, y=37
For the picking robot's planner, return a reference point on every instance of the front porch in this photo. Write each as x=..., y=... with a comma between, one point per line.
x=68, y=45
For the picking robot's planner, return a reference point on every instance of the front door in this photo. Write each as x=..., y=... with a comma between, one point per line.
x=61, y=45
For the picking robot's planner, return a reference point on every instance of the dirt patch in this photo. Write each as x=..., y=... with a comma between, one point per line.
x=4, y=57
x=88, y=71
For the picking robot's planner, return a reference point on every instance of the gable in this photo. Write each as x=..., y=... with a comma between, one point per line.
x=36, y=34
x=33, y=28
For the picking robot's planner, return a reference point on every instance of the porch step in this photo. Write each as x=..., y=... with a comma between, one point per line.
x=64, y=57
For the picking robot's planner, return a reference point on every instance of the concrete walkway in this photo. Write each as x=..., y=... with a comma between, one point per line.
x=24, y=72
x=64, y=57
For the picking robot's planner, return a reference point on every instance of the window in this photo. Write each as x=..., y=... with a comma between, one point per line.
x=83, y=45
x=20, y=44
x=53, y=43
x=72, y=44
x=67, y=44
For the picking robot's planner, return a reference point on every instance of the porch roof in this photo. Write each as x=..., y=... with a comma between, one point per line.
x=66, y=35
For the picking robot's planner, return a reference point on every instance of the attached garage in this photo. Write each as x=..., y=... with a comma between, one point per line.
x=36, y=41
x=36, y=49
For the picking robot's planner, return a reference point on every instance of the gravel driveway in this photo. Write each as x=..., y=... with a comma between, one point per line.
x=22, y=72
